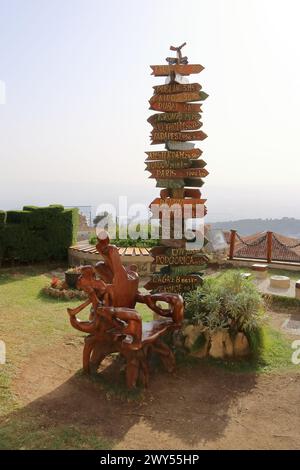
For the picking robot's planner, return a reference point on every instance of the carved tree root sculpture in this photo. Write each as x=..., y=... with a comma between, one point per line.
x=115, y=326
x=137, y=361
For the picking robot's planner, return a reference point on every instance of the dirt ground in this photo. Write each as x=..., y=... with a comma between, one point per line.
x=198, y=407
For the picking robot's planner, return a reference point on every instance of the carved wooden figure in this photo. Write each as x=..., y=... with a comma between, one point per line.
x=114, y=324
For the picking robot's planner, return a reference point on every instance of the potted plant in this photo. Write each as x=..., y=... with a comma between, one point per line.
x=71, y=276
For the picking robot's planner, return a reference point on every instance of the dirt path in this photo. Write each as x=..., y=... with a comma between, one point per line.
x=199, y=407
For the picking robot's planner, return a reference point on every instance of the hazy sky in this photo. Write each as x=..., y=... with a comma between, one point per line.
x=74, y=130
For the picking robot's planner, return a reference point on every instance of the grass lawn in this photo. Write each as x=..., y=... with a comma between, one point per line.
x=31, y=322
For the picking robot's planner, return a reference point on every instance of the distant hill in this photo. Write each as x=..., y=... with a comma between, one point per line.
x=286, y=226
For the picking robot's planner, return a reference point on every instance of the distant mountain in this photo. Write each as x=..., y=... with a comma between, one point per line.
x=286, y=226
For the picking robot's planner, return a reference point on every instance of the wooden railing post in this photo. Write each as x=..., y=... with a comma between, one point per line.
x=269, y=246
x=232, y=243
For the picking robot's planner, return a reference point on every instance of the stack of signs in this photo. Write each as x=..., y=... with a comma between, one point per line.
x=179, y=170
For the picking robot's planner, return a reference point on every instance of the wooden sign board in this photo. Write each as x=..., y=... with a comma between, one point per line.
x=173, y=117
x=161, y=137
x=173, y=288
x=166, y=70
x=177, y=126
x=163, y=279
x=177, y=107
x=170, y=201
x=177, y=88
x=191, y=154
x=174, y=164
x=175, y=98
x=168, y=173
x=182, y=260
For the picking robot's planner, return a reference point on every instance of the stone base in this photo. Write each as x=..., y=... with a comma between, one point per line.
x=218, y=344
x=281, y=282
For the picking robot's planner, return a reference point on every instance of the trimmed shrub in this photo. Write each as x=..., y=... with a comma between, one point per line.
x=38, y=233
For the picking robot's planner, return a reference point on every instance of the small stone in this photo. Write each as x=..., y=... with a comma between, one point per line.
x=221, y=344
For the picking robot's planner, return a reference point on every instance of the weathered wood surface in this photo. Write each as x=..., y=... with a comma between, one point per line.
x=179, y=183
x=177, y=88
x=168, y=173
x=177, y=126
x=191, y=154
x=165, y=70
x=176, y=98
x=161, y=137
x=173, y=117
x=180, y=260
x=177, y=107
x=175, y=164
x=181, y=202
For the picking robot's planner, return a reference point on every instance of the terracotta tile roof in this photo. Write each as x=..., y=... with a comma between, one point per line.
x=255, y=246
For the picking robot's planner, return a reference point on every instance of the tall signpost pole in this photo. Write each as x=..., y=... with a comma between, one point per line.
x=179, y=170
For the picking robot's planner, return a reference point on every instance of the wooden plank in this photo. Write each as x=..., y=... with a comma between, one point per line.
x=175, y=98
x=168, y=173
x=163, y=279
x=144, y=251
x=122, y=251
x=173, y=117
x=177, y=88
x=136, y=251
x=182, y=69
x=181, y=202
x=187, y=260
x=171, y=145
x=161, y=137
x=168, y=164
x=177, y=126
x=129, y=251
x=176, y=107
x=172, y=155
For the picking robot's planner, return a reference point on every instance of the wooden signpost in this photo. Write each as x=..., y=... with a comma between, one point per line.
x=177, y=88
x=179, y=171
x=166, y=70
x=173, y=117
x=191, y=154
x=172, y=107
x=177, y=126
x=161, y=137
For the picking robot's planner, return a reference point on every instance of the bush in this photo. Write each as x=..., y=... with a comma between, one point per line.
x=38, y=233
x=228, y=301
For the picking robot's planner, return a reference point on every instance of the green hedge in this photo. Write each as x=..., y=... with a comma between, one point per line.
x=37, y=233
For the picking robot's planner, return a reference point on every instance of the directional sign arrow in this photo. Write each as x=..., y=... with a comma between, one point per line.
x=177, y=88
x=173, y=117
x=181, y=202
x=161, y=137
x=177, y=126
x=177, y=107
x=164, y=279
x=190, y=154
x=168, y=173
x=166, y=70
x=175, y=98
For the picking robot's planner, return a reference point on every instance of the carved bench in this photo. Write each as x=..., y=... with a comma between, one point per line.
x=114, y=324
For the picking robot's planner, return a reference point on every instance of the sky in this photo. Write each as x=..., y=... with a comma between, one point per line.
x=73, y=129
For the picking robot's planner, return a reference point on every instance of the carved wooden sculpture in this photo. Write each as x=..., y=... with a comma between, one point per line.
x=114, y=324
